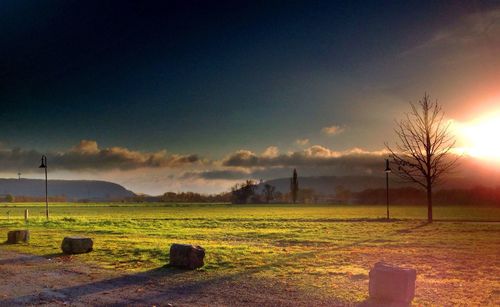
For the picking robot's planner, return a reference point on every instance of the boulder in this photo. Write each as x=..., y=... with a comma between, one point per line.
x=392, y=284
x=76, y=245
x=17, y=236
x=186, y=256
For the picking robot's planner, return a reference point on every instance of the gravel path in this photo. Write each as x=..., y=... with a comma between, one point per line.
x=57, y=280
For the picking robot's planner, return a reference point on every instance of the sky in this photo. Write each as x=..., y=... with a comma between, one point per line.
x=197, y=95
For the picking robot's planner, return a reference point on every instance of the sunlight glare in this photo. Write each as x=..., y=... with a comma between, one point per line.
x=482, y=137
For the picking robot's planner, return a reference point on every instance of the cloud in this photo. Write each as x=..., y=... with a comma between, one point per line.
x=271, y=152
x=302, y=142
x=88, y=156
x=313, y=161
x=313, y=156
x=318, y=151
x=86, y=146
x=157, y=172
x=332, y=130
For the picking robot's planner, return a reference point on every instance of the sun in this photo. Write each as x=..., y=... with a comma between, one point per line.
x=481, y=138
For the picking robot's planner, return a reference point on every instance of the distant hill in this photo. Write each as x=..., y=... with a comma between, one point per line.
x=71, y=189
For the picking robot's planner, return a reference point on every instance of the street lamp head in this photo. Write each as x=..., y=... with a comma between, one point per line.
x=43, y=164
x=387, y=168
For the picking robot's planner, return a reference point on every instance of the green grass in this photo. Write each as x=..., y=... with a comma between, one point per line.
x=324, y=249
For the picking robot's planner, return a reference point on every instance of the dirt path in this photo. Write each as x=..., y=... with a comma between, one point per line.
x=58, y=280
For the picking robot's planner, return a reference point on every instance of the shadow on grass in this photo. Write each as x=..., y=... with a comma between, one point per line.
x=164, y=284
x=163, y=288
x=409, y=230
x=467, y=221
x=159, y=281
x=119, y=283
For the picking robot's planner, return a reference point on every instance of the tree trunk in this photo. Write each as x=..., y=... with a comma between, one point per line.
x=429, y=203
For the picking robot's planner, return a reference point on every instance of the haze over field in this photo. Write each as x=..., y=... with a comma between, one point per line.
x=188, y=96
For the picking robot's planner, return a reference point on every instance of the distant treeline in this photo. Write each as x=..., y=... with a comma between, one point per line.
x=249, y=192
x=31, y=199
x=411, y=196
x=182, y=197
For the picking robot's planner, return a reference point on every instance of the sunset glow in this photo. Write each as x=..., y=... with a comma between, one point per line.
x=481, y=137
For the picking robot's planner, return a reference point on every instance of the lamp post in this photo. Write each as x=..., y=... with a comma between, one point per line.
x=44, y=166
x=387, y=171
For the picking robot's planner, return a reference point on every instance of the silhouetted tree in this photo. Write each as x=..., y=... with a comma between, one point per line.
x=242, y=193
x=294, y=186
x=421, y=155
x=269, y=191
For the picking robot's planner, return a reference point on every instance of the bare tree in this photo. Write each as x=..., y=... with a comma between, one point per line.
x=422, y=153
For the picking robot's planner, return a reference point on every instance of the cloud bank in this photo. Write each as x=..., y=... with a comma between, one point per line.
x=87, y=155
x=313, y=156
x=313, y=161
x=158, y=172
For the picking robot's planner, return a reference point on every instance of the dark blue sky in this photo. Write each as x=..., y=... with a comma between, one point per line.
x=212, y=77
x=193, y=74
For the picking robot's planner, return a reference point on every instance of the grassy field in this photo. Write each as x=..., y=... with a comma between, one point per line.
x=326, y=250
